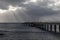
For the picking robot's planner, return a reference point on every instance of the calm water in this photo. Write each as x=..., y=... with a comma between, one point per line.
x=20, y=32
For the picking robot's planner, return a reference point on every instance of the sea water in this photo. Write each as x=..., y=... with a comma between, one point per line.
x=21, y=32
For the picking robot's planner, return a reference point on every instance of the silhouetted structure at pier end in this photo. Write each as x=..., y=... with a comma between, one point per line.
x=48, y=26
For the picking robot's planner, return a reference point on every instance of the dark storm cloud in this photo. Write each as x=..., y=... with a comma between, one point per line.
x=13, y=1
x=5, y=3
x=41, y=10
x=36, y=11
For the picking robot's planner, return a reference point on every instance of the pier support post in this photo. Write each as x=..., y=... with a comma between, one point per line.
x=57, y=28
x=46, y=27
x=53, y=27
x=49, y=27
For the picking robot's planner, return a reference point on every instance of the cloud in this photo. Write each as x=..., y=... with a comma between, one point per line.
x=12, y=1
x=5, y=3
x=37, y=10
x=29, y=10
x=52, y=18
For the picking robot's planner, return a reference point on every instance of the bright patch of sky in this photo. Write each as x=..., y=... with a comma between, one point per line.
x=54, y=4
x=10, y=8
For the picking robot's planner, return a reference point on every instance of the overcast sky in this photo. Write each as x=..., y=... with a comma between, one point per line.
x=29, y=10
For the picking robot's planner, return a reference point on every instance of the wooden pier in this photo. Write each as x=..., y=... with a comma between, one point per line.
x=52, y=26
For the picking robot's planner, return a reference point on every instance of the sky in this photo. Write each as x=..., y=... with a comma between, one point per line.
x=29, y=10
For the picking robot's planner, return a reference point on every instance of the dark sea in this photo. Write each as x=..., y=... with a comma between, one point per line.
x=20, y=32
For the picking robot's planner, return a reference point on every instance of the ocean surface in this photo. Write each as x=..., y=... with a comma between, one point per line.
x=21, y=32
